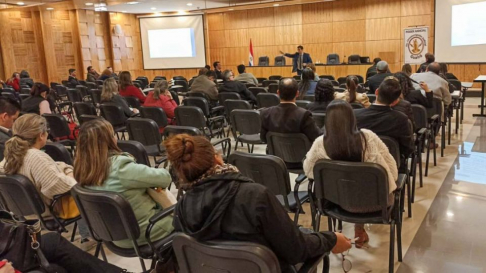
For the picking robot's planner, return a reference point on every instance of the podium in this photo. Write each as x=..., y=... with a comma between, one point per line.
x=482, y=80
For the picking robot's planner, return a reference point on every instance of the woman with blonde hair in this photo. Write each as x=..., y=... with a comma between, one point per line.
x=23, y=156
x=351, y=95
x=127, y=89
x=110, y=94
x=161, y=97
x=112, y=170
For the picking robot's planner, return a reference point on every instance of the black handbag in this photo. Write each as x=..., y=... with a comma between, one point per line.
x=20, y=243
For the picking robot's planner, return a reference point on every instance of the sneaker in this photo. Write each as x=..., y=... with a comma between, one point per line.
x=87, y=244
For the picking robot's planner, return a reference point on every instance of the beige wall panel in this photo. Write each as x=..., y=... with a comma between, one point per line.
x=262, y=36
x=216, y=39
x=261, y=18
x=287, y=35
x=348, y=10
x=373, y=48
x=260, y=51
x=235, y=56
x=236, y=38
x=318, y=52
x=288, y=15
x=349, y=31
x=317, y=33
x=215, y=21
x=416, y=20
x=236, y=20
x=382, y=9
x=383, y=29
x=416, y=7
x=317, y=13
x=349, y=48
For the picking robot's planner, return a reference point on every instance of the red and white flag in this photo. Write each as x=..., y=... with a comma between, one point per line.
x=251, y=54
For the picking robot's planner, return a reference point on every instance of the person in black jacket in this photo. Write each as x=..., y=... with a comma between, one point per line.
x=217, y=69
x=110, y=94
x=72, y=80
x=25, y=79
x=376, y=80
x=221, y=204
x=429, y=58
x=412, y=95
x=372, y=69
x=324, y=95
x=230, y=85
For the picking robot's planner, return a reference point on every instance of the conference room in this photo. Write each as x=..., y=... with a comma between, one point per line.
x=242, y=136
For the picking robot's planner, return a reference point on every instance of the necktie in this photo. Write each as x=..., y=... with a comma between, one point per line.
x=300, y=61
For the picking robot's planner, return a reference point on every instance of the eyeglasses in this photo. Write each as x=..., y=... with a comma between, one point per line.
x=346, y=264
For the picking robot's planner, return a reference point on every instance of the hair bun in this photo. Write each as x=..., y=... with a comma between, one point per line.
x=188, y=149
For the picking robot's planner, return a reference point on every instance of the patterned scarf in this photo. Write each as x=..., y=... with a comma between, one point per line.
x=215, y=170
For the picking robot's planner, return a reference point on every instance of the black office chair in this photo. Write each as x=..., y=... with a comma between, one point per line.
x=338, y=183
x=133, y=102
x=229, y=106
x=263, y=61
x=61, y=91
x=260, y=80
x=156, y=114
x=335, y=83
x=84, y=108
x=310, y=98
x=114, y=114
x=99, y=82
x=91, y=85
x=200, y=100
x=280, y=61
x=319, y=119
x=371, y=97
x=342, y=80
x=273, y=88
x=146, y=131
x=436, y=123
x=158, y=78
x=423, y=135
x=194, y=116
x=357, y=105
x=136, y=149
x=249, y=85
x=85, y=118
x=248, y=124
x=257, y=90
x=59, y=130
x=354, y=59
x=222, y=97
x=267, y=100
x=328, y=77
x=25, y=91
x=302, y=103
x=58, y=152
x=83, y=91
x=275, y=78
x=266, y=83
x=95, y=96
x=22, y=198
x=144, y=80
x=110, y=218
x=270, y=171
x=333, y=59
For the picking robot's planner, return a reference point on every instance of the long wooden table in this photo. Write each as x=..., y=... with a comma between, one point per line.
x=336, y=70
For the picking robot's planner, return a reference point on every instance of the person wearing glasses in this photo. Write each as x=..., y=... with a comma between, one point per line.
x=230, y=85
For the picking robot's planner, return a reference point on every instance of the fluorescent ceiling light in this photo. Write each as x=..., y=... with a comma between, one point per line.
x=189, y=4
x=20, y=3
x=89, y=4
x=153, y=8
x=132, y=3
x=49, y=8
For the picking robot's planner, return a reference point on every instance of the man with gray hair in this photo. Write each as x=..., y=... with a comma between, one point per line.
x=230, y=85
x=436, y=83
x=382, y=72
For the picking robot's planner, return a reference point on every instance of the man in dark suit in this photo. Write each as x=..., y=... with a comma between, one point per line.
x=230, y=85
x=384, y=121
x=372, y=69
x=9, y=112
x=299, y=59
x=429, y=58
x=376, y=80
x=217, y=69
x=72, y=80
x=287, y=117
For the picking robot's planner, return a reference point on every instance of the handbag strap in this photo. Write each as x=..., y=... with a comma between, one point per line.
x=11, y=235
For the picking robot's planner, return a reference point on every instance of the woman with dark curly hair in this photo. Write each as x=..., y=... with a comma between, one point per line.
x=412, y=95
x=324, y=94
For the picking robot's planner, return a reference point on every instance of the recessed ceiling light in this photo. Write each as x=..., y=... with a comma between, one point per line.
x=153, y=8
x=189, y=4
x=124, y=11
x=20, y=3
x=88, y=4
x=102, y=5
x=231, y=9
x=132, y=3
x=276, y=5
x=49, y=8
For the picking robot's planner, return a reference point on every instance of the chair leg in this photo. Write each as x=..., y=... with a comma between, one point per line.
x=144, y=269
x=248, y=146
x=391, y=264
x=317, y=225
x=326, y=265
x=252, y=147
x=414, y=174
x=102, y=250
x=330, y=225
x=435, y=150
x=399, y=241
x=420, y=173
x=427, y=158
x=409, y=197
x=457, y=116
x=236, y=146
x=443, y=141
x=97, y=251
x=449, y=129
x=152, y=265
x=74, y=231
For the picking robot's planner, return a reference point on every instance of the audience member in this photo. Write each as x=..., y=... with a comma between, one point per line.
x=429, y=58
x=127, y=89
x=208, y=67
x=307, y=86
x=92, y=75
x=37, y=103
x=204, y=83
x=299, y=59
x=72, y=80
x=439, y=86
x=412, y=95
x=113, y=74
x=313, y=68
x=351, y=94
x=221, y=204
x=344, y=142
x=245, y=77
x=382, y=73
x=287, y=117
x=217, y=70
x=444, y=71
x=230, y=85
x=9, y=112
x=323, y=96
x=14, y=81
x=372, y=69
x=405, y=107
x=25, y=79
x=161, y=97
x=407, y=69
x=105, y=75
x=23, y=156
x=384, y=121
x=110, y=94
x=112, y=170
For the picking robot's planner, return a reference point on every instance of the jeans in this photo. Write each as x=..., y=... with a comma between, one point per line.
x=83, y=229
x=64, y=257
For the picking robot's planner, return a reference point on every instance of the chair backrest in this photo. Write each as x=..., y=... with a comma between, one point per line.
x=91, y=85
x=85, y=118
x=95, y=96
x=352, y=184
x=246, y=122
x=81, y=82
x=266, y=83
x=310, y=98
x=342, y=80
x=319, y=119
x=99, y=82
x=249, y=85
x=457, y=84
x=25, y=91
x=329, y=77
x=333, y=59
x=175, y=97
x=108, y=214
x=58, y=152
x=302, y=103
x=371, y=97
x=335, y=83
x=273, y=88
x=182, y=83
x=58, y=125
x=261, y=79
x=83, y=90
x=393, y=148
x=437, y=109
x=156, y=114
x=190, y=116
x=279, y=61
x=145, y=131
x=172, y=130
x=9, y=95
x=143, y=80
x=53, y=85
x=202, y=103
x=137, y=83
x=84, y=108
x=360, y=78
x=419, y=116
x=222, y=97
x=275, y=78
x=357, y=105
x=236, y=257
x=113, y=113
x=20, y=195
x=230, y=105
x=267, y=100
x=65, y=83
x=136, y=149
x=263, y=61
x=158, y=78
x=354, y=59
x=61, y=90
x=133, y=102
x=267, y=170
x=257, y=90
x=291, y=148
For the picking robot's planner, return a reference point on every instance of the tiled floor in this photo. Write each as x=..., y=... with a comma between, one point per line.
x=444, y=233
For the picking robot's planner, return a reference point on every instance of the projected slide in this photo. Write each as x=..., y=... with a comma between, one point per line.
x=171, y=43
x=468, y=24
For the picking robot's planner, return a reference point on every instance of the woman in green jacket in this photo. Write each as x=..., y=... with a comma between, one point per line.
x=101, y=165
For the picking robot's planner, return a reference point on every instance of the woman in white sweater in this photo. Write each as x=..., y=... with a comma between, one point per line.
x=23, y=156
x=343, y=141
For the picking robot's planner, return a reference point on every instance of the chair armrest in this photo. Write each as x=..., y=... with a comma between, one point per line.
x=222, y=141
x=217, y=108
x=215, y=119
x=300, y=178
x=161, y=160
x=56, y=198
x=162, y=214
x=434, y=117
x=422, y=131
x=310, y=265
x=402, y=178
